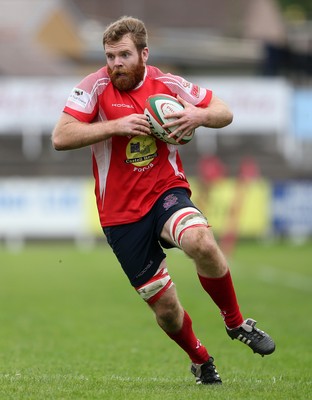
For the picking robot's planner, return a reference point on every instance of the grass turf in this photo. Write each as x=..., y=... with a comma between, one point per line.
x=71, y=327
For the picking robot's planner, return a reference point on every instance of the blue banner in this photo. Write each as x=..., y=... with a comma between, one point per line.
x=302, y=113
x=292, y=208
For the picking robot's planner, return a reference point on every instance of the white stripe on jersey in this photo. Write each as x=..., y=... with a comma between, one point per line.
x=102, y=152
x=179, y=85
x=98, y=89
x=172, y=158
x=100, y=82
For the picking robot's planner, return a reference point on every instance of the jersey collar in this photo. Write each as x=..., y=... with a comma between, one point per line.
x=142, y=81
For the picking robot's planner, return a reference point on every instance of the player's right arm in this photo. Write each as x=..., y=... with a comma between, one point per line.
x=70, y=133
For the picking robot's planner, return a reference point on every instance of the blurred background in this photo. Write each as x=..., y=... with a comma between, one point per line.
x=253, y=179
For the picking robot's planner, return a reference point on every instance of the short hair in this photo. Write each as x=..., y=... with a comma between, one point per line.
x=133, y=27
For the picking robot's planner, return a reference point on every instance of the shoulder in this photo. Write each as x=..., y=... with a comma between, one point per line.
x=166, y=77
x=154, y=72
x=99, y=74
x=95, y=81
x=177, y=85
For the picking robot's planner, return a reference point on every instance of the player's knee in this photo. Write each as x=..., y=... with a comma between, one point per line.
x=184, y=221
x=198, y=243
x=167, y=312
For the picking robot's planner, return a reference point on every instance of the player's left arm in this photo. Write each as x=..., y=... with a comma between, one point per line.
x=216, y=115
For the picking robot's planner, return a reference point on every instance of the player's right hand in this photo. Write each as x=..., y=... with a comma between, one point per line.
x=134, y=124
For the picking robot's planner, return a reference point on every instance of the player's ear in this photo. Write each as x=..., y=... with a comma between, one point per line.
x=145, y=54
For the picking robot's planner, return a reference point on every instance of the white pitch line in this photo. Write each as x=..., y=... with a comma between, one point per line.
x=283, y=278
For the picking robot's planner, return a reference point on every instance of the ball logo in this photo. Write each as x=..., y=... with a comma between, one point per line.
x=150, y=123
x=159, y=109
x=167, y=108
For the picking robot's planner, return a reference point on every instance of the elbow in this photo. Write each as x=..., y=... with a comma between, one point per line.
x=230, y=118
x=226, y=120
x=57, y=143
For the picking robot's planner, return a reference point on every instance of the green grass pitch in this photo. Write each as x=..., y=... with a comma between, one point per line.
x=71, y=327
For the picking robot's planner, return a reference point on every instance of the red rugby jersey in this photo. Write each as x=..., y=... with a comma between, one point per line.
x=131, y=172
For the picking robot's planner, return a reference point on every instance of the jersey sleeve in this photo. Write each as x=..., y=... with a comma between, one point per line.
x=82, y=102
x=189, y=91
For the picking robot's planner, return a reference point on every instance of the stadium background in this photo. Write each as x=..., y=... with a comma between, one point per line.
x=71, y=326
x=256, y=56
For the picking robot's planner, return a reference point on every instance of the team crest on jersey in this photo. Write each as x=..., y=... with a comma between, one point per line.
x=141, y=150
x=80, y=97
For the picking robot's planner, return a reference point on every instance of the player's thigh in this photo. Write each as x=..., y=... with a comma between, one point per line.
x=187, y=222
x=175, y=201
x=137, y=250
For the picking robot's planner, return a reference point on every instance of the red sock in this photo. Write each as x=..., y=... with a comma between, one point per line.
x=222, y=292
x=187, y=340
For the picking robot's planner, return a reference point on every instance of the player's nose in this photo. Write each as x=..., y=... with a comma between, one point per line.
x=118, y=62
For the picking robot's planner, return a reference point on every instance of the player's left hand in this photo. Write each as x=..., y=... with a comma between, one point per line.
x=184, y=121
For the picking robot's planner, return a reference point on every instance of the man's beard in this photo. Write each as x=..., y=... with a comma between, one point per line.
x=127, y=79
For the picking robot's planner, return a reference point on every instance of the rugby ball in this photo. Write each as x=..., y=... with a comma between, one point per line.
x=156, y=107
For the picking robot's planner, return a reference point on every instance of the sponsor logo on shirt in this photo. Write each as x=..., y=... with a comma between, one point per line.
x=122, y=105
x=194, y=90
x=80, y=97
x=140, y=152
